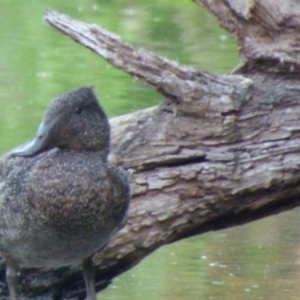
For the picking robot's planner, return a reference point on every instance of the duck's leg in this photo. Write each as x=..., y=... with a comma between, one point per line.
x=88, y=273
x=12, y=275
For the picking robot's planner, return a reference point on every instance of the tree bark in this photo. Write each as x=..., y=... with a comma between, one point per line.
x=219, y=151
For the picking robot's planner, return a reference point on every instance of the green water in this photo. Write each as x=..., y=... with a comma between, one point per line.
x=37, y=63
x=256, y=261
x=260, y=260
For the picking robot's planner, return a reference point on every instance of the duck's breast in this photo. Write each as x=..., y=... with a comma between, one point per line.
x=60, y=206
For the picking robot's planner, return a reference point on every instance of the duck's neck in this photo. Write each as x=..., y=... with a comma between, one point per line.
x=104, y=153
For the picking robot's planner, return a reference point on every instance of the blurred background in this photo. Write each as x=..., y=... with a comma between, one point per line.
x=260, y=260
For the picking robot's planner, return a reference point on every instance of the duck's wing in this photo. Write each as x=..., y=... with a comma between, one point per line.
x=121, y=191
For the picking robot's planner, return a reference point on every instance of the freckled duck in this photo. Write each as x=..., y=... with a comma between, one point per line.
x=60, y=199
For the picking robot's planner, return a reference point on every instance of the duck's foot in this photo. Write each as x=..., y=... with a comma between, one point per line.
x=88, y=273
x=12, y=275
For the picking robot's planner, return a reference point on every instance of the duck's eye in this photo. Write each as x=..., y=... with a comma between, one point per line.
x=78, y=110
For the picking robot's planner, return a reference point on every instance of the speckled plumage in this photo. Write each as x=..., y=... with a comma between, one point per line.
x=60, y=200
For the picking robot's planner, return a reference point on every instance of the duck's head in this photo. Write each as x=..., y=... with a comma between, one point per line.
x=73, y=120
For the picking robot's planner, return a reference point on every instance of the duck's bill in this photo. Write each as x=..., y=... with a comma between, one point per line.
x=41, y=142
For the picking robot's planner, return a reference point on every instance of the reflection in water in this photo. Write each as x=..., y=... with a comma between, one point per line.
x=256, y=261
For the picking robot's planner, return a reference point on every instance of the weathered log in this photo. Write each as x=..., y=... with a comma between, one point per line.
x=219, y=151
x=266, y=33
